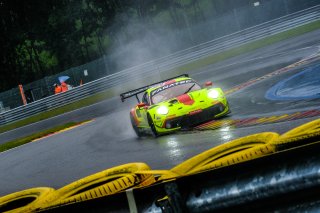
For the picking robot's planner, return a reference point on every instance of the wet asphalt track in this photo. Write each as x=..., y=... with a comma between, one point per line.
x=109, y=140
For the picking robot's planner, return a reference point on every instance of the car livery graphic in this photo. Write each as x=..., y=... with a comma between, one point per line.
x=174, y=104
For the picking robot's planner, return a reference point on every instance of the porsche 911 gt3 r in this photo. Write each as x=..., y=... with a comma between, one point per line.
x=174, y=104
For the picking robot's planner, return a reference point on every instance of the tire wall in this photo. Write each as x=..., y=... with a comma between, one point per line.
x=139, y=175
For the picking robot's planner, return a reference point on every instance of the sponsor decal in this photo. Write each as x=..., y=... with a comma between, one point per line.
x=215, y=102
x=195, y=112
x=170, y=86
x=171, y=116
x=169, y=82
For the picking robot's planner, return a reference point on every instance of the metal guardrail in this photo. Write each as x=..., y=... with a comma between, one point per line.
x=164, y=64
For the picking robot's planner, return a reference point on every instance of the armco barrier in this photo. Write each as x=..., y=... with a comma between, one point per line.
x=162, y=65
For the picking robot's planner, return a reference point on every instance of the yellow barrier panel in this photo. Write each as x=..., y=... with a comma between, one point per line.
x=23, y=201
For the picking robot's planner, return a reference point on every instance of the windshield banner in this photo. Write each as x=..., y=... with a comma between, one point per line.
x=170, y=85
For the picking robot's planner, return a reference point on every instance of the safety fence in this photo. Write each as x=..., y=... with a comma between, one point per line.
x=162, y=66
x=261, y=172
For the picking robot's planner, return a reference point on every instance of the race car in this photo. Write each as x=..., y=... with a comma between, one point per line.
x=174, y=104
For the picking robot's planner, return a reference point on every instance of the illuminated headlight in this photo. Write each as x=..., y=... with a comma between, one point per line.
x=213, y=94
x=162, y=110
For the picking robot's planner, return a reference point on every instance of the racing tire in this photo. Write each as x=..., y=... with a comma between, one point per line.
x=229, y=111
x=152, y=127
x=136, y=129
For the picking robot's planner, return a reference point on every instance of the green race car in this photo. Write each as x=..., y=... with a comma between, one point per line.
x=174, y=104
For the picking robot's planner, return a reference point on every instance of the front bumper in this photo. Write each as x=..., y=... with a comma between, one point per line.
x=190, y=120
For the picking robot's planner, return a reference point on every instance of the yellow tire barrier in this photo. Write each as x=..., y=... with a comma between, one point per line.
x=299, y=136
x=132, y=175
x=302, y=135
x=23, y=201
x=206, y=158
x=244, y=155
x=308, y=128
x=101, y=184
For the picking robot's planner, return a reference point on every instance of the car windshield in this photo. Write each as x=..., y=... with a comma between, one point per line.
x=173, y=90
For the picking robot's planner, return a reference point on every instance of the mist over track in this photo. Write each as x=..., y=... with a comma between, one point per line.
x=110, y=141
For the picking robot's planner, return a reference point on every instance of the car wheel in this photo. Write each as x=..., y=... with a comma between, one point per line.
x=135, y=128
x=152, y=127
x=229, y=111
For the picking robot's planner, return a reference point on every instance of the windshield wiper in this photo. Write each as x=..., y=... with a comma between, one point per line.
x=189, y=89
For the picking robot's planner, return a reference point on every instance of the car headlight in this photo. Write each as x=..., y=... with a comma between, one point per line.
x=162, y=110
x=213, y=94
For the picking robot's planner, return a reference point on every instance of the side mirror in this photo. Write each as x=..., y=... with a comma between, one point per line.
x=140, y=105
x=208, y=84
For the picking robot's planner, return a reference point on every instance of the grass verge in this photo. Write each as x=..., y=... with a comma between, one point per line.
x=184, y=68
x=30, y=138
x=58, y=111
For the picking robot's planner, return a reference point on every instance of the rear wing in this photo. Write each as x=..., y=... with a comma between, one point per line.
x=135, y=92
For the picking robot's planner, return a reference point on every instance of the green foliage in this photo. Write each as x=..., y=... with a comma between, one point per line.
x=105, y=41
x=48, y=59
x=47, y=37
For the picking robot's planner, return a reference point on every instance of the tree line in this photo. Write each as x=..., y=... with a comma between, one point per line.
x=41, y=38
